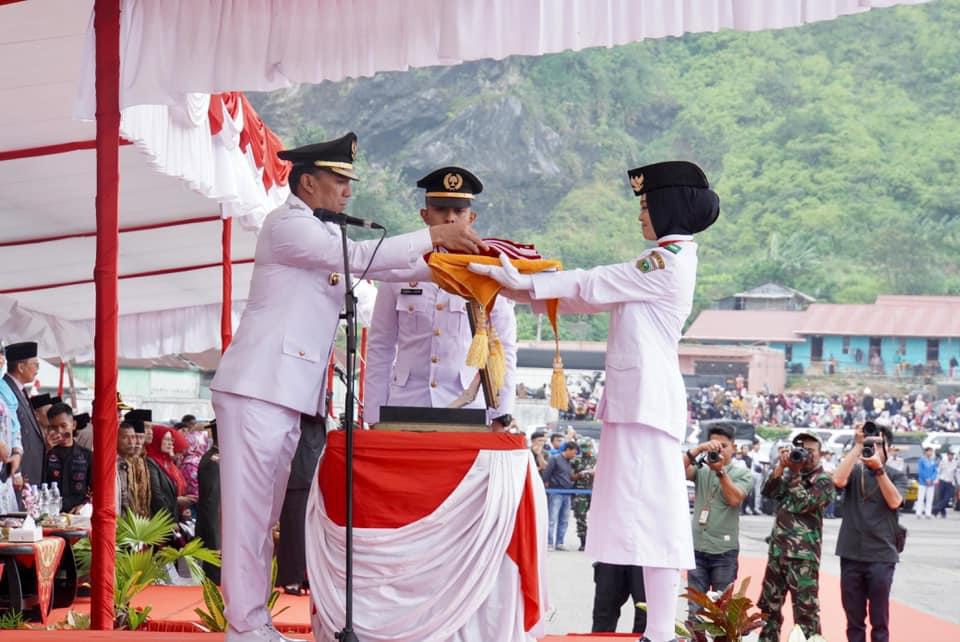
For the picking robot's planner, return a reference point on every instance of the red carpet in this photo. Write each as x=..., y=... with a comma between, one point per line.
x=172, y=617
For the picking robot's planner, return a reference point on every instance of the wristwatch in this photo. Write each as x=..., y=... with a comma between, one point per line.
x=878, y=472
x=721, y=473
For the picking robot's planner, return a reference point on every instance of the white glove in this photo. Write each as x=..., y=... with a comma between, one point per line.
x=508, y=276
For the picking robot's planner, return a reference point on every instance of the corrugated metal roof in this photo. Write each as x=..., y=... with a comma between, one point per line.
x=747, y=325
x=923, y=317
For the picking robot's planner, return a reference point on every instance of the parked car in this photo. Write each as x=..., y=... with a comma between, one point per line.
x=940, y=441
x=839, y=441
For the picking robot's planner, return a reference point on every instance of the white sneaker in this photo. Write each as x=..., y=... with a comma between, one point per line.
x=265, y=633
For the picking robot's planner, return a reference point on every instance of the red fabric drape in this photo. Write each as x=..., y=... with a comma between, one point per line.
x=261, y=141
x=387, y=495
x=106, y=24
x=226, y=297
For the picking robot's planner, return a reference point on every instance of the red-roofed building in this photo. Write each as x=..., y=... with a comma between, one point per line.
x=896, y=335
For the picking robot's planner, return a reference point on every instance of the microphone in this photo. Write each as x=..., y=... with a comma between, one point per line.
x=340, y=218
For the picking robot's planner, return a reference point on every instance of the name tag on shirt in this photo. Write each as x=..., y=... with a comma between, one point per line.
x=416, y=291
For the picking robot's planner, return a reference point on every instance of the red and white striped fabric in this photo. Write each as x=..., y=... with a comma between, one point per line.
x=448, y=533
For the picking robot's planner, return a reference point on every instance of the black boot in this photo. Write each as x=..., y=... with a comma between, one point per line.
x=583, y=542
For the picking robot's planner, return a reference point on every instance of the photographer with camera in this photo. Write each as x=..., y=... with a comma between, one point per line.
x=802, y=491
x=870, y=533
x=721, y=486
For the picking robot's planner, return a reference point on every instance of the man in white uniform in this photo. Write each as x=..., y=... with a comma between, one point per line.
x=639, y=512
x=420, y=334
x=275, y=369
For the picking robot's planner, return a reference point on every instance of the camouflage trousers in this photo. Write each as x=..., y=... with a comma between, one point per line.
x=802, y=579
x=580, y=505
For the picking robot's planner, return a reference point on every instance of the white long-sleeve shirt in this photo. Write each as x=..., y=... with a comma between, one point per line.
x=417, y=349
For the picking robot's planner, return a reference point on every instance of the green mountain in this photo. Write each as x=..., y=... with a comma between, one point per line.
x=834, y=148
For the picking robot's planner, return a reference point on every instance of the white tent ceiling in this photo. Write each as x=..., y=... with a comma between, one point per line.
x=47, y=194
x=177, y=171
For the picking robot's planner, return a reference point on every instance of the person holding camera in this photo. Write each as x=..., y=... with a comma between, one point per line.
x=721, y=486
x=870, y=534
x=802, y=491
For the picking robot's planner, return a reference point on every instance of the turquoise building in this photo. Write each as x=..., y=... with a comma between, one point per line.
x=896, y=335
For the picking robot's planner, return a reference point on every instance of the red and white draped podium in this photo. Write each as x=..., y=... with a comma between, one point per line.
x=448, y=537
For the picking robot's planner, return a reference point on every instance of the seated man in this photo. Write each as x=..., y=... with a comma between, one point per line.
x=68, y=465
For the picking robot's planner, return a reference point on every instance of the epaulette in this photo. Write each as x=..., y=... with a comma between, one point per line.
x=673, y=248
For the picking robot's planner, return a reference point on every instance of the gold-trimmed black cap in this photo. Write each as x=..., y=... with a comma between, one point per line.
x=667, y=174
x=335, y=155
x=21, y=351
x=450, y=187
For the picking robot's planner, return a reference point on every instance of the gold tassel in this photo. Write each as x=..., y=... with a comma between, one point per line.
x=480, y=346
x=496, y=364
x=559, y=397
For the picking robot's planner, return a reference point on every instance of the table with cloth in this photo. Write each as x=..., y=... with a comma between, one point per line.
x=25, y=590
x=448, y=538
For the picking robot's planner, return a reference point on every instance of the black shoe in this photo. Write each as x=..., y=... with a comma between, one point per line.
x=583, y=543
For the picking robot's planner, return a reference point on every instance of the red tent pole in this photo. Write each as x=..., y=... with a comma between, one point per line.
x=330, y=375
x=106, y=24
x=363, y=375
x=63, y=366
x=226, y=303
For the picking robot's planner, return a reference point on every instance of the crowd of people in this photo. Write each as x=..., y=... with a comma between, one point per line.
x=913, y=412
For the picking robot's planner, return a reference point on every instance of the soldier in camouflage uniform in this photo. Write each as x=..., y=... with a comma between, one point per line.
x=802, y=491
x=583, y=467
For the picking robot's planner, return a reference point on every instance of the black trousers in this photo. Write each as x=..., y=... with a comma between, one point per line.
x=291, y=550
x=866, y=585
x=613, y=584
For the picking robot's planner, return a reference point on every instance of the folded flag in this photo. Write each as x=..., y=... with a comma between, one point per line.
x=451, y=273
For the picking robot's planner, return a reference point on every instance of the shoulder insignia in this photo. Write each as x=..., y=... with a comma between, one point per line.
x=652, y=261
x=673, y=248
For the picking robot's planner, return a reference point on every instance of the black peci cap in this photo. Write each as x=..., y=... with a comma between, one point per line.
x=39, y=401
x=335, y=155
x=21, y=351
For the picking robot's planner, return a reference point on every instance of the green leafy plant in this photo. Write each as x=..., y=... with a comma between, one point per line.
x=726, y=618
x=214, y=620
x=678, y=627
x=143, y=558
x=73, y=621
x=13, y=620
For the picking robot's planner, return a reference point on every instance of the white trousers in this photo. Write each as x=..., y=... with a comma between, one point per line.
x=924, y=503
x=257, y=440
x=639, y=512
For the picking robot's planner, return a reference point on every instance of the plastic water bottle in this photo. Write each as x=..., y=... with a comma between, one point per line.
x=44, y=499
x=56, y=501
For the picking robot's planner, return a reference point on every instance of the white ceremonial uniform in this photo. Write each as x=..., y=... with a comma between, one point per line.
x=639, y=512
x=417, y=349
x=275, y=369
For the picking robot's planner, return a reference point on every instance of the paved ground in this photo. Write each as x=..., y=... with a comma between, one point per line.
x=927, y=578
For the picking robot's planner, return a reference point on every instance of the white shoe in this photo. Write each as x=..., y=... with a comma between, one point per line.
x=265, y=633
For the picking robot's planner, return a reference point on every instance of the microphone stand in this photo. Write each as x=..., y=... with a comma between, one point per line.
x=350, y=316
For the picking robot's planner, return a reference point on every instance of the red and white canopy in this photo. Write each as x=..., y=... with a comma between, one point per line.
x=188, y=166
x=183, y=172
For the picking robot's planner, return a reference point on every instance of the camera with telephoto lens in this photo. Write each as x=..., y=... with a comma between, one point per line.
x=798, y=455
x=713, y=457
x=871, y=432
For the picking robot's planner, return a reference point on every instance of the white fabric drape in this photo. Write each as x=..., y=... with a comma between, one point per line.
x=173, y=48
x=142, y=336
x=443, y=578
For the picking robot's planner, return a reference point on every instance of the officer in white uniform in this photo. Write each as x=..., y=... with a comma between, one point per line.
x=275, y=369
x=420, y=334
x=639, y=512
